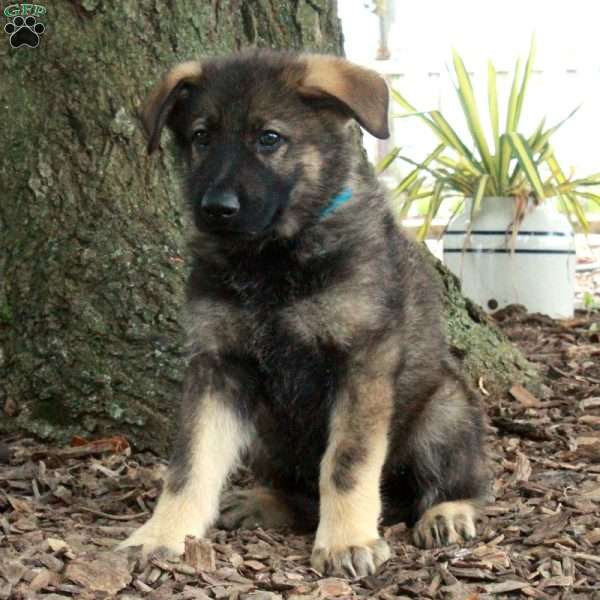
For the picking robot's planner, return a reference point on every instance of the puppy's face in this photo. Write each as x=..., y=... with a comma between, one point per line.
x=265, y=136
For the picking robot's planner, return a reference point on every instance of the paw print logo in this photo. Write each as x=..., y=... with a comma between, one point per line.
x=24, y=32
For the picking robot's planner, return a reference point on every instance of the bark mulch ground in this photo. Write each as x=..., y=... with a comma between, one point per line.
x=63, y=509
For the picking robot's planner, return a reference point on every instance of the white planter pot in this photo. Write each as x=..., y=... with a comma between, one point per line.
x=540, y=274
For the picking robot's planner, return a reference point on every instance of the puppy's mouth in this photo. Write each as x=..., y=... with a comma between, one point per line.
x=238, y=234
x=235, y=231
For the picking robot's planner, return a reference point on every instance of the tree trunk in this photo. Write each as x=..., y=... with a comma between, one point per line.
x=91, y=229
x=491, y=361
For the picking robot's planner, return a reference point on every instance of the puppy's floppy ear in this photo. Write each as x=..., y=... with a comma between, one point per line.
x=363, y=92
x=164, y=97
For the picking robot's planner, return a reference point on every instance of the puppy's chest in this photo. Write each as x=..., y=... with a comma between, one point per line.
x=266, y=320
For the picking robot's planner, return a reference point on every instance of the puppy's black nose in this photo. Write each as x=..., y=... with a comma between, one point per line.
x=220, y=205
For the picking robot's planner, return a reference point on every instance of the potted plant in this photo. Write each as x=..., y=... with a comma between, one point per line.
x=509, y=244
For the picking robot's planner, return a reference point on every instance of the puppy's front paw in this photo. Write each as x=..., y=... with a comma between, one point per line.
x=155, y=540
x=352, y=561
x=175, y=516
x=445, y=523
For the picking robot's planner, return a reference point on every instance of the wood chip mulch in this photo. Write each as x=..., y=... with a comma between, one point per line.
x=63, y=509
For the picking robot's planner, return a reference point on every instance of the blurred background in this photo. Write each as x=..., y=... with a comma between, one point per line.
x=411, y=43
x=391, y=40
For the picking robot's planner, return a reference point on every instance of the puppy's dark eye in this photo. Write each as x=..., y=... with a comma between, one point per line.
x=269, y=139
x=201, y=137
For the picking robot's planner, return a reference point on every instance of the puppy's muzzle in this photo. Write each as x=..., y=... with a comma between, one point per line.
x=220, y=205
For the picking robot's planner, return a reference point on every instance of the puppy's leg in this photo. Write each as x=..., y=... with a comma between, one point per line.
x=449, y=466
x=211, y=437
x=256, y=507
x=347, y=540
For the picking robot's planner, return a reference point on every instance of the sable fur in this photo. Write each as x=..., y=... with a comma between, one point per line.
x=321, y=337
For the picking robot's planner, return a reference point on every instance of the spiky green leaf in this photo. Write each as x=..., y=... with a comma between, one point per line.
x=387, y=160
x=545, y=135
x=493, y=106
x=524, y=82
x=511, y=111
x=467, y=99
x=524, y=157
x=434, y=206
x=449, y=137
x=402, y=101
x=479, y=193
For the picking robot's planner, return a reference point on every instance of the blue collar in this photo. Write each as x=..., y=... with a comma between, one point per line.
x=336, y=202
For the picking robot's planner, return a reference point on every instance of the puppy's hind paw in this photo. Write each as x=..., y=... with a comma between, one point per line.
x=352, y=561
x=256, y=507
x=444, y=524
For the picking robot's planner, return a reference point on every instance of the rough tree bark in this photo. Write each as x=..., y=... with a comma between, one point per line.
x=91, y=230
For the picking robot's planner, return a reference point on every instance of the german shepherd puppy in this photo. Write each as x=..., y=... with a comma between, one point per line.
x=315, y=338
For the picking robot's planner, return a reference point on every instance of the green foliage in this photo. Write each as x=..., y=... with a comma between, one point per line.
x=590, y=302
x=513, y=165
